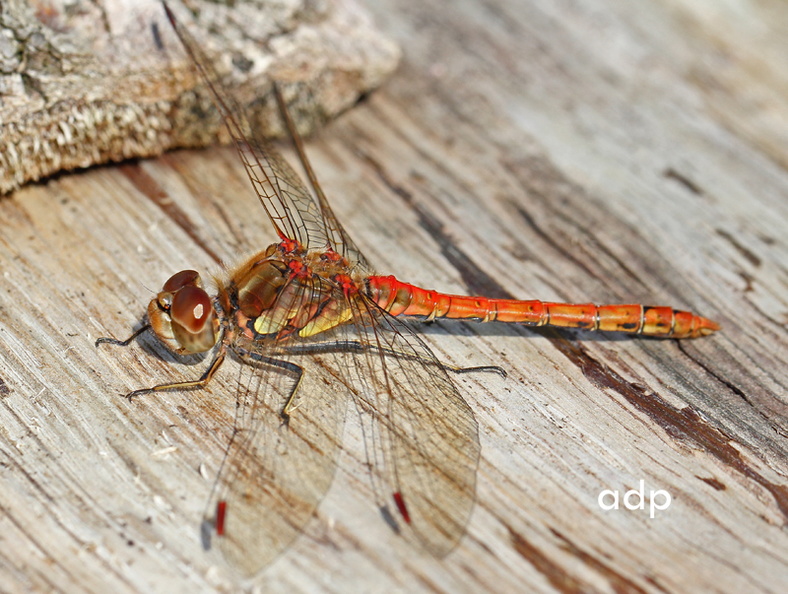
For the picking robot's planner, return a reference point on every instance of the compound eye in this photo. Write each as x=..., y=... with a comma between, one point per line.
x=191, y=308
x=181, y=279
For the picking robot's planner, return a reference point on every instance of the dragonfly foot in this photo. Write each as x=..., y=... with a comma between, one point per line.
x=131, y=395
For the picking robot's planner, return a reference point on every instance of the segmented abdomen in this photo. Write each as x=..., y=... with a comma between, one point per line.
x=403, y=299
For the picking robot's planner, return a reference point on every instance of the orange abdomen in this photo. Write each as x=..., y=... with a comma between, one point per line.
x=402, y=299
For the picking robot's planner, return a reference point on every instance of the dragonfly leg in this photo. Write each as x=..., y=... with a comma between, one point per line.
x=123, y=343
x=480, y=369
x=289, y=407
x=206, y=377
x=293, y=368
x=356, y=345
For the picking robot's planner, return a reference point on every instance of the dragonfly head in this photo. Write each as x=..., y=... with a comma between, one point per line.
x=182, y=315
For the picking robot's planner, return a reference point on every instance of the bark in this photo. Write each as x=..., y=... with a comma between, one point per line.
x=86, y=82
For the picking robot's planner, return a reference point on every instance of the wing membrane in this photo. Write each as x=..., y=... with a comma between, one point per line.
x=419, y=424
x=338, y=237
x=276, y=473
x=290, y=207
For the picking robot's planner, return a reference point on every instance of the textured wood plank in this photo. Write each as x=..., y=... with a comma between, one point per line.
x=588, y=151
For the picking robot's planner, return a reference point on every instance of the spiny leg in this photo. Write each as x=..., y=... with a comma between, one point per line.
x=293, y=368
x=206, y=377
x=356, y=345
x=480, y=369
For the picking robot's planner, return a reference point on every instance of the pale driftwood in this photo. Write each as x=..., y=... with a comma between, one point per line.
x=616, y=152
x=88, y=82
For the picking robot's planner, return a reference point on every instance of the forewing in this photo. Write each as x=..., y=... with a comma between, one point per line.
x=337, y=235
x=290, y=207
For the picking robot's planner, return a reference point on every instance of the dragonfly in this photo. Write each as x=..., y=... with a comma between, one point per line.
x=316, y=330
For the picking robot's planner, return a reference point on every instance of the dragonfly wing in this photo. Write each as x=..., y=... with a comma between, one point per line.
x=290, y=207
x=276, y=472
x=421, y=426
x=338, y=237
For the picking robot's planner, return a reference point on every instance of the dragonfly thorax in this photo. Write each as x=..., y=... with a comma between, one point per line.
x=281, y=294
x=182, y=315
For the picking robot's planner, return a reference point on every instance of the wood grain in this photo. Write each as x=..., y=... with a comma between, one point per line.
x=593, y=150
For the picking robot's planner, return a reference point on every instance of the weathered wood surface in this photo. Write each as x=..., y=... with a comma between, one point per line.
x=85, y=82
x=605, y=151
